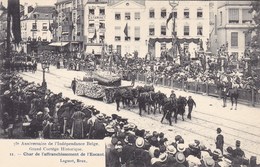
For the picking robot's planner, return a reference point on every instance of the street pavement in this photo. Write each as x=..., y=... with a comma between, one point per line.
x=242, y=124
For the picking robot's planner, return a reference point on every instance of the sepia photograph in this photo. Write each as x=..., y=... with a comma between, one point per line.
x=129, y=83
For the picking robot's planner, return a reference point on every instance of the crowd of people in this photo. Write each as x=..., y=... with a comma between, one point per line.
x=44, y=114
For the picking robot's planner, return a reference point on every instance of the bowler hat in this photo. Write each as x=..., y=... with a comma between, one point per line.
x=219, y=130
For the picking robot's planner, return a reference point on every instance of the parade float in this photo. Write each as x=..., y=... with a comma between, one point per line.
x=99, y=85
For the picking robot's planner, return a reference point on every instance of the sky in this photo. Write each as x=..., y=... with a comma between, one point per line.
x=33, y=2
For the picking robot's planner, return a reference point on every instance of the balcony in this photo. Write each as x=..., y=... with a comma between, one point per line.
x=100, y=17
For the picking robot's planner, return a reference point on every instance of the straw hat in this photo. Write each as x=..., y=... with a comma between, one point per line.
x=180, y=158
x=171, y=149
x=181, y=147
x=209, y=162
x=139, y=142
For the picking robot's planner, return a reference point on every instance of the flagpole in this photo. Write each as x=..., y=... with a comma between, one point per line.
x=174, y=36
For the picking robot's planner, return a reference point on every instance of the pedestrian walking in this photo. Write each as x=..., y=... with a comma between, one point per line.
x=219, y=140
x=73, y=85
x=190, y=103
x=117, y=97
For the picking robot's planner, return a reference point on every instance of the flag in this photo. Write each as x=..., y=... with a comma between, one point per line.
x=169, y=18
x=95, y=35
x=126, y=30
x=14, y=13
x=50, y=27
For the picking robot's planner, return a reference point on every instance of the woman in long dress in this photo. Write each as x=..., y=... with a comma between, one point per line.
x=77, y=131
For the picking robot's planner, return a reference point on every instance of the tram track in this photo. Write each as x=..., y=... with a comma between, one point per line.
x=200, y=122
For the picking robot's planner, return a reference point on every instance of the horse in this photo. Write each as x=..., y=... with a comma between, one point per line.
x=233, y=94
x=160, y=99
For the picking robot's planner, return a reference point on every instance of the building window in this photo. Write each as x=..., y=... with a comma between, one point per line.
x=117, y=33
x=199, y=13
x=163, y=46
x=186, y=13
x=246, y=16
x=151, y=30
x=101, y=12
x=221, y=18
x=151, y=13
x=127, y=16
x=91, y=25
x=234, y=39
x=91, y=11
x=117, y=16
x=137, y=33
x=44, y=34
x=102, y=25
x=247, y=39
x=186, y=30
x=163, y=13
x=233, y=16
x=163, y=30
x=44, y=26
x=34, y=26
x=186, y=47
x=137, y=15
x=199, y=30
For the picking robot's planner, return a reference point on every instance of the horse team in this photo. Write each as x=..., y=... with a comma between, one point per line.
x=150, y=101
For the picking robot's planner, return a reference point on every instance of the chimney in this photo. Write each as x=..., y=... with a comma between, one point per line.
x=25, y=9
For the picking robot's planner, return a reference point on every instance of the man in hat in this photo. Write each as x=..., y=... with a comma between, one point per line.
x=190, y=103
x=219, y=140
x=73, y=85
x=117, y=97
x=128, y=150
x=238, y=152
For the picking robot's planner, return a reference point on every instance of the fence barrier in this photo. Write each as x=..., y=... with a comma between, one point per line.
x=246, y=96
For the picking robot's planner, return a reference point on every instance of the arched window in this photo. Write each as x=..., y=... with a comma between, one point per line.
x=163, y=13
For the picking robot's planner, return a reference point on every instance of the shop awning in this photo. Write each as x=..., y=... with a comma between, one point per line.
x=59, y=44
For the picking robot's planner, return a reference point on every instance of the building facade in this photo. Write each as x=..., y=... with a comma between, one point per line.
x=70, y=24
x=95, y=12
x=147, y=29
x=234, y=21
x=35, y=28
x=126, y=27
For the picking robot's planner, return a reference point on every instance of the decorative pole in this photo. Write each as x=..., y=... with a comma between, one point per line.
x=173, y=4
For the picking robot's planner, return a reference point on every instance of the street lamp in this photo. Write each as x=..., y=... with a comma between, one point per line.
x=45, y=65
